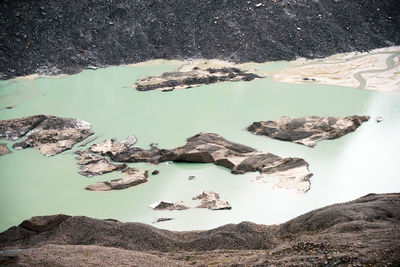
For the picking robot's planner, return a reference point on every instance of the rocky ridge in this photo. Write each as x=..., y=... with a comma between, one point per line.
x=307, y=130
x=359, y=232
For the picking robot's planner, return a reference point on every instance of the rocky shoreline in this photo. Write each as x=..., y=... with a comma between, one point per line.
x=359, y=232
x=52, y=37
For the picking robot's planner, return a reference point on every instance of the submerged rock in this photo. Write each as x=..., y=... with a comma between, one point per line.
x=212, y=148
x=210, y=200
x=94, y=165
x=168, y=205
x=4, y=149
x=48, y=134
x=307, y=130
x=192, y=75
x=132, y=177
x=163, y=219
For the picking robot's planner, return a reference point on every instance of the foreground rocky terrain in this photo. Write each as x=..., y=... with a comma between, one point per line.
x=307, y=130
x=360, y=232
x=65, y=37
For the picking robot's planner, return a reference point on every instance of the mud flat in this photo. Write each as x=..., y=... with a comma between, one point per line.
x=377, y=70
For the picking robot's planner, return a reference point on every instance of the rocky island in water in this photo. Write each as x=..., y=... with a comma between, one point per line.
x=318, y=50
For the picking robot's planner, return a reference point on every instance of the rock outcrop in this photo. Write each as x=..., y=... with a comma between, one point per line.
x=307, y=130
x=17, y=128
x=192, y=75
x=168, y=205
x=360, y=232
x=212, y=148
x=111, y=147
x=4, y=149
x=131, y=178
x=48, y=134
x=94, y=165
x=210, y=200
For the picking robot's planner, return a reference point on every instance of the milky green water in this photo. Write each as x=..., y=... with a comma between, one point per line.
x=359, y=163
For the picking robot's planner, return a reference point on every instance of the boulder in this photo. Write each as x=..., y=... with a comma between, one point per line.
x=168, y=205
x=307, y=130
x=4, y=149
x=94, y=165
x=131, y=178
x=210, y=200
x=41, y=224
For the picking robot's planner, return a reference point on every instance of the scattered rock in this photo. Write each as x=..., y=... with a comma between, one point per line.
x=189, y=76
x=132, y=177
x=93, y=165
x=168, y=205
x=4, y=149
x=212, y=148
x=155, y=172
x=307, y=130
x=210, y=200
x=162, y=220
x=50, y=135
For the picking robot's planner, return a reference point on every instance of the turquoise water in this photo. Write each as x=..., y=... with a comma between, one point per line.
x=359, y=163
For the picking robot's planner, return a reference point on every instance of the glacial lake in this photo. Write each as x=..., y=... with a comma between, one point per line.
x=362, y=162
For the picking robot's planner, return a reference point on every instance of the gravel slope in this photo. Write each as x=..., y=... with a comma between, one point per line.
x=66, y=36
